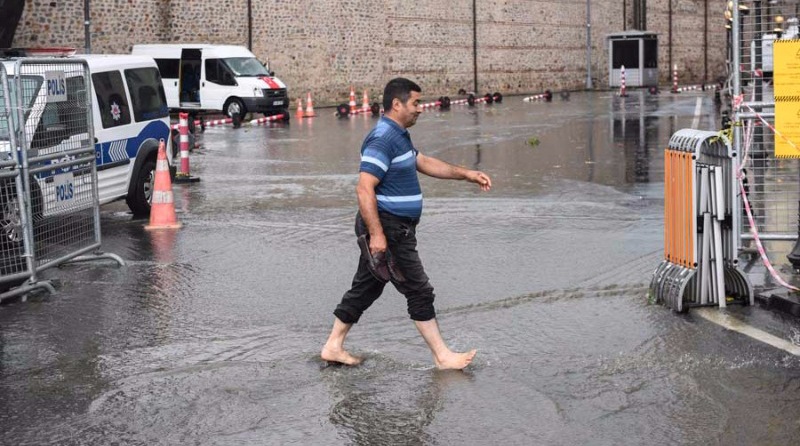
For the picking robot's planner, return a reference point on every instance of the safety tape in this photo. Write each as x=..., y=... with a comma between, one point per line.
x=737, y=102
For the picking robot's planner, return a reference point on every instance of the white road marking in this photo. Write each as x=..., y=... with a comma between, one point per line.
x=731, y=323
x=697, y=109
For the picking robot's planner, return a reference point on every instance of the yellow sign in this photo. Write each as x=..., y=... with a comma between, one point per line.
x=786, y=72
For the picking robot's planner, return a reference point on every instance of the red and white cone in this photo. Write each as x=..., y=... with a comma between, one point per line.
x=365, y=102
x=162, y=205
x=299, y=113
x=183, y=175
x=353, y=107
x=309, y=113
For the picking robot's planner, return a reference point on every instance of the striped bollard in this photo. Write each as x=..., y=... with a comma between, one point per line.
x=622, y=92
x=183, y=175
x=675, y=79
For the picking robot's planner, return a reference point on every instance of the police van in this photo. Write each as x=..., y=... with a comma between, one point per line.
x=130, y=116
x=225, y=78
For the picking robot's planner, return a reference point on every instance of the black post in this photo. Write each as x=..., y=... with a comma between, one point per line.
x=669, y=38
x=705, y=42
x=250, y=25
x=624, y=15
x=475, y=46
x=87, y=36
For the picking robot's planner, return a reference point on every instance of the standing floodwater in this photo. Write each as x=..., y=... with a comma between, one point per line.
x=211, y=334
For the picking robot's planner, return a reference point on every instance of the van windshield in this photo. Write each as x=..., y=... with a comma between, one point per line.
x=30, y=88
x=246, y=66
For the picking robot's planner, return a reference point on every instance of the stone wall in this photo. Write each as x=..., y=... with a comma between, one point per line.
x=324, y=46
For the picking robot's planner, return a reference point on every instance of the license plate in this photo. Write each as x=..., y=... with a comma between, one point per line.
x=277, y=103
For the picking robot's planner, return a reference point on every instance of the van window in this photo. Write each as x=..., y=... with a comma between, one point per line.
x=169, y=68
x=147, y=94
x=246, y=66
x=111, y=101
x=30, y=87
x=218, y=72
x=62, y=120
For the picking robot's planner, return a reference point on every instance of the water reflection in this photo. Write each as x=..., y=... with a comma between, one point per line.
x=389, y=407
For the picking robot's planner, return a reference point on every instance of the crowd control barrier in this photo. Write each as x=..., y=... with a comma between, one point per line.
x=48, y=176
x=701, y=212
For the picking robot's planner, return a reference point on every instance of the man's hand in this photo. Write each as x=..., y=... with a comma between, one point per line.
x=377, y=243
x=480, y=178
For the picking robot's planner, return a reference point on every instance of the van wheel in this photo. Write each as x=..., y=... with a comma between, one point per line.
x=139, y=200
x=234, y=106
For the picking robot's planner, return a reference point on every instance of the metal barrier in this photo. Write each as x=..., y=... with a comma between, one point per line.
x=701, y=208
x=773, y=183
x=51, y=162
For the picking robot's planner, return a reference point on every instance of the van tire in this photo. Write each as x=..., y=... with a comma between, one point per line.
x=139, y=200
x=234, y=106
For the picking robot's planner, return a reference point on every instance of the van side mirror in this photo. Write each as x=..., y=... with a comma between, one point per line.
x=271, y=74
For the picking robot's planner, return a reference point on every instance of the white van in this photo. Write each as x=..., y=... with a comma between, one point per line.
x=225, y=78
x=130, y=117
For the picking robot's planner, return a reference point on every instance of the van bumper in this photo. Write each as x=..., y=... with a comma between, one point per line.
x=266, y=105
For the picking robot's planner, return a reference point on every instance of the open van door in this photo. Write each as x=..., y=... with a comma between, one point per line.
x=190, y=77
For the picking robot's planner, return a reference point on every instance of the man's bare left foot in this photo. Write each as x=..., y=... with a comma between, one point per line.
x=455, y=360
x=339, y=356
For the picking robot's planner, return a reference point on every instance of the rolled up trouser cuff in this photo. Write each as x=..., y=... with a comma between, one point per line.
x=345, y=316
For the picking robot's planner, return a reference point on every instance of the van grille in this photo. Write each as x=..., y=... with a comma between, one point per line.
x=275, y=93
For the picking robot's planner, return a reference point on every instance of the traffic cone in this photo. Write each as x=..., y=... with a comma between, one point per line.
x=309, y=113
x=352, y=101
x=162, y=206
x=299, y=113
x=365, y=102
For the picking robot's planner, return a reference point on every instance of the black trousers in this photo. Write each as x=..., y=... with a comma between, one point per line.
x=401, y=239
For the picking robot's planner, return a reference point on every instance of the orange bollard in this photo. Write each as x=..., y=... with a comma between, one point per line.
x=162, y=206
x=309, y=113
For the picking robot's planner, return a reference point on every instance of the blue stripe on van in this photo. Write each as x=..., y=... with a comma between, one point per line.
x=116, y=151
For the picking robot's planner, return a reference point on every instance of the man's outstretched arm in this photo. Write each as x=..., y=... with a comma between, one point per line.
x=437, y=168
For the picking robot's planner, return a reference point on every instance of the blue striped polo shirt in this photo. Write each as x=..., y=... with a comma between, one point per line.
x=389, y=155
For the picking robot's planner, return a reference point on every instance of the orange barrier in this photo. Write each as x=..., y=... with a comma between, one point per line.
x=162, y=206
x=679, y=223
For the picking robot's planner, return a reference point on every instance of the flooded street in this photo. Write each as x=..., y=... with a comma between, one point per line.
x=211, y=334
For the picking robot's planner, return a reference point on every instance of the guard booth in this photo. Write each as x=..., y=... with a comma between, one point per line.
x=637, y=51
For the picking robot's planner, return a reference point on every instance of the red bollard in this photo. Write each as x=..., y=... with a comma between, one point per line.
x=183, y=175
x=622, y=92
x=675, y=79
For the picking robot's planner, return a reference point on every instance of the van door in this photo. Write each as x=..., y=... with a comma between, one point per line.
x=218, y=84
x=190, y=96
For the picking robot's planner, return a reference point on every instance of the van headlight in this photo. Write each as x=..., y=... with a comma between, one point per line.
x=257, y=92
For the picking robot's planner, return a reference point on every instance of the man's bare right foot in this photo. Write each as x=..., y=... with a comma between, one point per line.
x=340, y=356
x=454, y=360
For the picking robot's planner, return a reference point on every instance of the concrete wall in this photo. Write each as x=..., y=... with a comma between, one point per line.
x=324, y=46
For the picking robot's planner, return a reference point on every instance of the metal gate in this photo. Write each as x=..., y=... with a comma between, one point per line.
x=48, y=177
x=772, y=181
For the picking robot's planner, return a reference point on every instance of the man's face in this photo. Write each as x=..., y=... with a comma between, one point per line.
x=408, y=112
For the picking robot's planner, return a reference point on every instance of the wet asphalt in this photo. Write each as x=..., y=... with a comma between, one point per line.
x=210, y=335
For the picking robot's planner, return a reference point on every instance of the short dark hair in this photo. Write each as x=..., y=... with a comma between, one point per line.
x=399, y=88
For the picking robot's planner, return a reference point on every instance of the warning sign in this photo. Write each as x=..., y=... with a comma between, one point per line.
x=787, y=98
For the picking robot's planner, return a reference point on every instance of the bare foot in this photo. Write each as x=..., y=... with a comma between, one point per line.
x=340, y=356
x=454, y=360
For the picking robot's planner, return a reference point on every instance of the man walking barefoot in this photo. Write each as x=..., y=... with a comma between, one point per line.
x=389, y=208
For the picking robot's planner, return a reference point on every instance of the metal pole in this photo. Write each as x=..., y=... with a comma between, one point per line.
x=589, y=85
x=624, y=15
x=475, y=46
x=669, y=38
x=705, y=42
x=87, y=37
x=250, y=25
